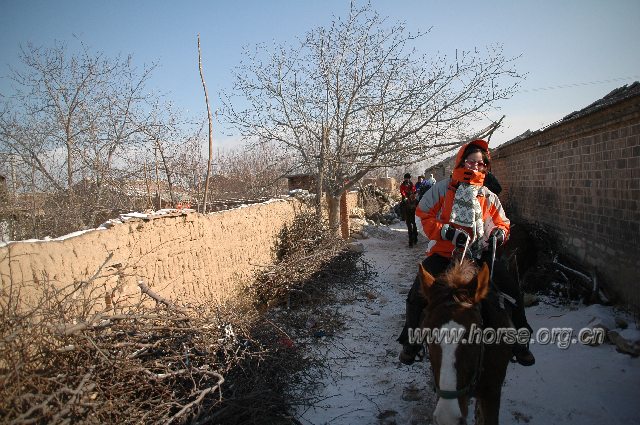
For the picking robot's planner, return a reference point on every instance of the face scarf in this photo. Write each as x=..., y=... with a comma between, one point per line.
x=466, y=210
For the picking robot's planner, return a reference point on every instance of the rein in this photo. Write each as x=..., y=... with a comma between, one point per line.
x=470, y=388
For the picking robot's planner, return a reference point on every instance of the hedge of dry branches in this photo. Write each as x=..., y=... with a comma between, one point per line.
x=144, y=365
x=305, y=247
x=69, y=361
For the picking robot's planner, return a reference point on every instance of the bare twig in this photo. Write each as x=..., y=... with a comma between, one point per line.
x=200, y=397
x=157, y=298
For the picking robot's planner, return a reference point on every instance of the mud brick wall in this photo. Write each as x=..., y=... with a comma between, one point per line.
x=581, y=178
x=190, y=257
x=442, y=170
x=388, y=184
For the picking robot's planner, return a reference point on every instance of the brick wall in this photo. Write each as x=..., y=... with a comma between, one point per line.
x=581, y=179
x=302, y=181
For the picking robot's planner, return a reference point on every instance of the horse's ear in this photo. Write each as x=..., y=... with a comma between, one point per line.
x=426, y=280
x=482, y=283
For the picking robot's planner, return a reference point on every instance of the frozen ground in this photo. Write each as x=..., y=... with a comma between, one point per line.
x=368, y=385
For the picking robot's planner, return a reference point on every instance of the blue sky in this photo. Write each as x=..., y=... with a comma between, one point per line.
x=573, y=51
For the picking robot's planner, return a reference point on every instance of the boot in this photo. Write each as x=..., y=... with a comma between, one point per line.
x=414, y=307
x=409, y=353
x=523, y=355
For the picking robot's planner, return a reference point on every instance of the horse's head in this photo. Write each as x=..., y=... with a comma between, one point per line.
x=453, y=308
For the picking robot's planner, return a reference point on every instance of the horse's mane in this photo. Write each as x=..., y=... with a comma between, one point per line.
x=460, y=274
x=453, y=284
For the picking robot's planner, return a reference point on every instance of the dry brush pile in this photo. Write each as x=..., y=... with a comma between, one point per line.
x=378, y=205
x=71, y=360
x=537, y=258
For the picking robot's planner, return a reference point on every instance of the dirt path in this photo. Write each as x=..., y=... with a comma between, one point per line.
x=368, y=385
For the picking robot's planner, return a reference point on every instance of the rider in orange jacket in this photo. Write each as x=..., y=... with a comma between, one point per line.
x=436, y=206
x=461, y=213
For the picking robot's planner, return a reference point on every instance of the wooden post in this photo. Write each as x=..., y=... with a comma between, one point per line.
x=206, y=99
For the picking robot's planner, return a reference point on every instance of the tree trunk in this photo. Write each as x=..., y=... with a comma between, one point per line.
x=334, y=213
x=167, y=172
x=320, y=176
x=158, y=197
x=319, y=183
x=69, y=166
x=14, y=187
x=146, y=181
x=33, y=202
x=344, y=217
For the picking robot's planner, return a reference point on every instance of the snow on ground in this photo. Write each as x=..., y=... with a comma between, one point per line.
x=578, y=385
x=368, y=385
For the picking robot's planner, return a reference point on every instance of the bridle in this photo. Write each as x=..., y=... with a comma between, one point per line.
x=469, y=388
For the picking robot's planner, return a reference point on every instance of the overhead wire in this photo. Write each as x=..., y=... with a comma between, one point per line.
x=588, y=83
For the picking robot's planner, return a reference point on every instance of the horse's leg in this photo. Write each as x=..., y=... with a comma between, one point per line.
x=488, y=408
x=489, y=392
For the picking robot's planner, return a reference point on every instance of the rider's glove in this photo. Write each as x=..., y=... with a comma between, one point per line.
x=499, y=234
x=457, y=236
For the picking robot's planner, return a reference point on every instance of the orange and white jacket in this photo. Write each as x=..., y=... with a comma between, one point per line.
x=434, y=209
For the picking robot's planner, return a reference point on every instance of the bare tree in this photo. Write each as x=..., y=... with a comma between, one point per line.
x=75, y=121
x=354, y=96
x=83, y=106
x=252, y=173
x=178, y=154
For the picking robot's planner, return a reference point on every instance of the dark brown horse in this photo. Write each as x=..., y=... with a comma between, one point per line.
x=460, y=298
